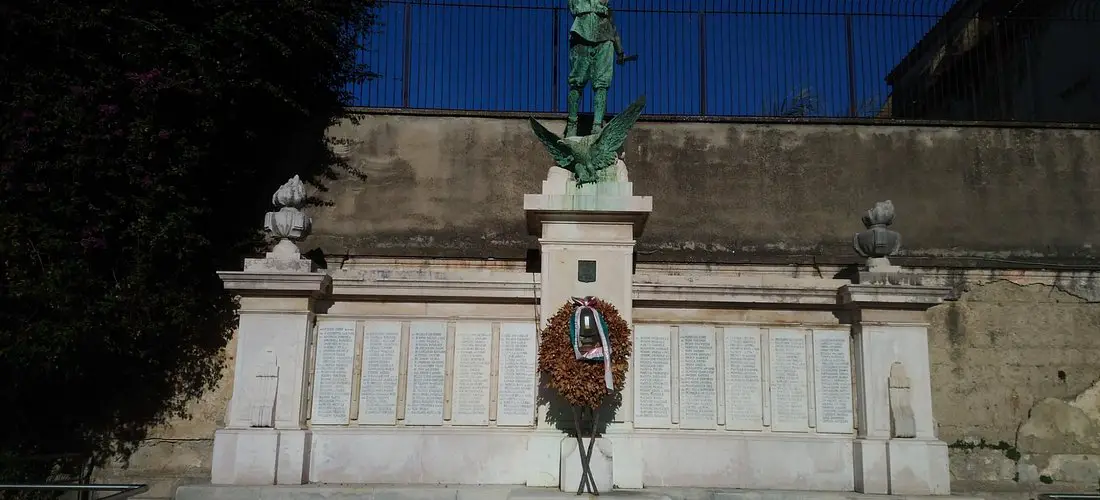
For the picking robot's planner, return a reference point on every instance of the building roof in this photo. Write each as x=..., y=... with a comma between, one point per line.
x=965, y=26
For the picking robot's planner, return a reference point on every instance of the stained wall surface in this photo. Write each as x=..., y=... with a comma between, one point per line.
x=724, y=192
x=1016, y=385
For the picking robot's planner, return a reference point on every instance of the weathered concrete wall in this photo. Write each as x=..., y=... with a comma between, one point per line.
x=726, y=192
x=1016, y=386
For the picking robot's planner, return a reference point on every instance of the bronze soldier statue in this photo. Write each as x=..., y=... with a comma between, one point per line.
x=594, y=48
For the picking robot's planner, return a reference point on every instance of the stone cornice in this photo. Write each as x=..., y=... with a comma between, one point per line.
x=892, y=296
x=507, y=281
x=250, y=283
x=535, y=219
x=469, y=284
x=821, y=294
x=472, y=290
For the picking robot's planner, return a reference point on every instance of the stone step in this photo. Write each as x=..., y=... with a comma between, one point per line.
x=337, y=492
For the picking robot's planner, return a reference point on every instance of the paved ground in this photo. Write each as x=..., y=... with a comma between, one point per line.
x=330, y=492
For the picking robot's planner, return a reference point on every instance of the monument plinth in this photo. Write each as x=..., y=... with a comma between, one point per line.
x=586, y=237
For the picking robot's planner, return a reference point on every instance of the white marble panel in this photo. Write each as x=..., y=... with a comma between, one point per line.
x=259, y=338
x=881, y=346
x=652, y=369
x=698, y=385
x=427, y=365
x=789, y=380
x=244, y=456
x=743, y=379
x=749, y=461
x=465, y=455
x=332, y=371
x=379, y=376
x=517, y=374
x=470, y=388
x=833, y=381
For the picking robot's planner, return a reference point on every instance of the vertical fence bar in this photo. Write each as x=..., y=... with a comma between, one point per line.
x=406, y=70
x=702, y=61
x=554, y=56
x=851, y=66
x=1001, y=78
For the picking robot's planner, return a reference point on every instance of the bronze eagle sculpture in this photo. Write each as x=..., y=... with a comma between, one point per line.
x=587, y=156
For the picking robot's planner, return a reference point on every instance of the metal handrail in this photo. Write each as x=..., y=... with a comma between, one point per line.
x=124, y=490
x=1069, y=496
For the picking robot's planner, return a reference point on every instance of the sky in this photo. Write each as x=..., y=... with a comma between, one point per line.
x=695, y=57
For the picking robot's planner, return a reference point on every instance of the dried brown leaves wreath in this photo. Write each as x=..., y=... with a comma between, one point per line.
x=581, y=383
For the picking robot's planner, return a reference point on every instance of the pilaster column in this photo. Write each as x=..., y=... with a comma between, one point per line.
x=265, y=440
x=896, y=449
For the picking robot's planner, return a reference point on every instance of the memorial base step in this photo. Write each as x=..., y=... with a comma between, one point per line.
x=338, y=492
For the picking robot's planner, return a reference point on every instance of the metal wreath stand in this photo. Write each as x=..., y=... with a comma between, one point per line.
x=578, y=342
x=587, y=481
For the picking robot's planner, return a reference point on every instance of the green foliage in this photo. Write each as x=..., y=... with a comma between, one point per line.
x=806, y=103
x=140, y=142
x=800, y=104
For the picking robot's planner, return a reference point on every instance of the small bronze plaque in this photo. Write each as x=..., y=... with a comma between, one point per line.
x=586, y=271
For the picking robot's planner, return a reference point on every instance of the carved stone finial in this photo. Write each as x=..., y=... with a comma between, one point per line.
x=288, y=224
x=878, y=243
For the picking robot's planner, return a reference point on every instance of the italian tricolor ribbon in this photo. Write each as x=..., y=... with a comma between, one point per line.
x=604, y=350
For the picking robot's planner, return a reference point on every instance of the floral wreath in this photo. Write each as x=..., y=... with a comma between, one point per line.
x=584, y=380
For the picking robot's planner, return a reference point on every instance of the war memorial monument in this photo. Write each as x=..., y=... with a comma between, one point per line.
x=467, y=375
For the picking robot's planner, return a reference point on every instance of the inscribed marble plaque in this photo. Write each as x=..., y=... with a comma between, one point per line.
x=789, y=381
x=833, y=381
x=332, y=371
x=470, y=389
x=652, y=367
x=426, y=373
x=743, y=379
x=516, y=374
x=379, y=374
x=698, y=384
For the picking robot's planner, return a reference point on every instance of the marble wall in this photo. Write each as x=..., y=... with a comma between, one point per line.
x=423, y=373
x=400, y=397
x=745, y=378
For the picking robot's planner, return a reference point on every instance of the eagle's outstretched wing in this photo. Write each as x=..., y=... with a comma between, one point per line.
x=606, y=147
x=561, y=152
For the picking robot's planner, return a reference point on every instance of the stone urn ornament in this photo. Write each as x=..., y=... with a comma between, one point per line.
x=877, y=243
x=289, y=223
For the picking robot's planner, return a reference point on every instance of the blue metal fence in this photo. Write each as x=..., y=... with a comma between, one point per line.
x=827, y=58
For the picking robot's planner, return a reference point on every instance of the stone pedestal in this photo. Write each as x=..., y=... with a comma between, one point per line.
x=265, y=440
x=888, y=327
x=586, y=238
